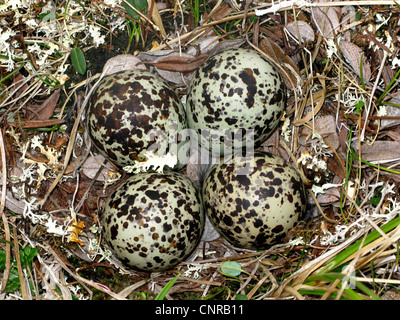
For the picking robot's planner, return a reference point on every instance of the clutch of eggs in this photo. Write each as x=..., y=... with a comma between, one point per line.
x=153, y=221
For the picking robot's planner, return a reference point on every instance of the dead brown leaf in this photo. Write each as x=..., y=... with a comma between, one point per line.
x=156, y=17
x=279, y=57
x=274, y=33
x=15, y=205
x=205, y=45
x=305, y=31
x=31, y=124
x=392, y=111
x=326, y=127
x=183, y=63
x=219, y=12
x=387, y=73
x=394, y=135
x=178, y=67
x=381, y=151
x=92, y=165
x=335, y=167
x=58, y=143
x=60, y=255
x=19, y=85
x=326, y=19
x=46, y=110
x=329, y=196
x=354, y=55
x=343, y=132
x=209, y=232
x=123, y=62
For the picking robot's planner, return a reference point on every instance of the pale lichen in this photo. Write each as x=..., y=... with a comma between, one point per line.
x=154, y=162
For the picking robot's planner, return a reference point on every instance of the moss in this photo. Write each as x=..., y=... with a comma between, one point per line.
x=97, y=57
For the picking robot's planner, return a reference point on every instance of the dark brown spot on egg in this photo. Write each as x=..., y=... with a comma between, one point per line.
x=251, y=85
x=114, y=231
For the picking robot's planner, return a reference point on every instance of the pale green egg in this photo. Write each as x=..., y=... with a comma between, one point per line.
x=253, y=201
x=237, y=91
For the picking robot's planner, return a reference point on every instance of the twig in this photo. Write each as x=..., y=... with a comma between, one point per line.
x=257, y=286
x=249, y=278
x=84, y=197
x=207, y=286
x=125, y=292
x=370, y=221
x=71, y=143
x=355, y=3
x=320, y=209
x=385, y=54
x=35, y=87
x=288, y=5
x=80, y=279
x=274, y=283
x=41, y=275
x=377, y=248
x=385, y=281
x=204, y=282
x=196, y=32
x=303, y=273
x=19, y=266
x=2, y=212
x=20, y=38
x=350, y=268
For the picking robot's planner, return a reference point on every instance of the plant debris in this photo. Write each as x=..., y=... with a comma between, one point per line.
x=341, y=131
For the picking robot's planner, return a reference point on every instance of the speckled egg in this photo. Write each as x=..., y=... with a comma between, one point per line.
x=236, y=90
x=153, y=221
x=254, y=200
x=134, y=111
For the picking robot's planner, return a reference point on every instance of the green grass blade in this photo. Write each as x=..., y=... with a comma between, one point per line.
x=161, y=295
x=382, y=96
x=12, y=73
x=139, y=5
x=355, y=246
x=374, y=165
x=349, y=292
x=78, y=60
x=361, y=73
x=320, y=292
x=349, y=165
x=361, y=286
x=332, y=277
